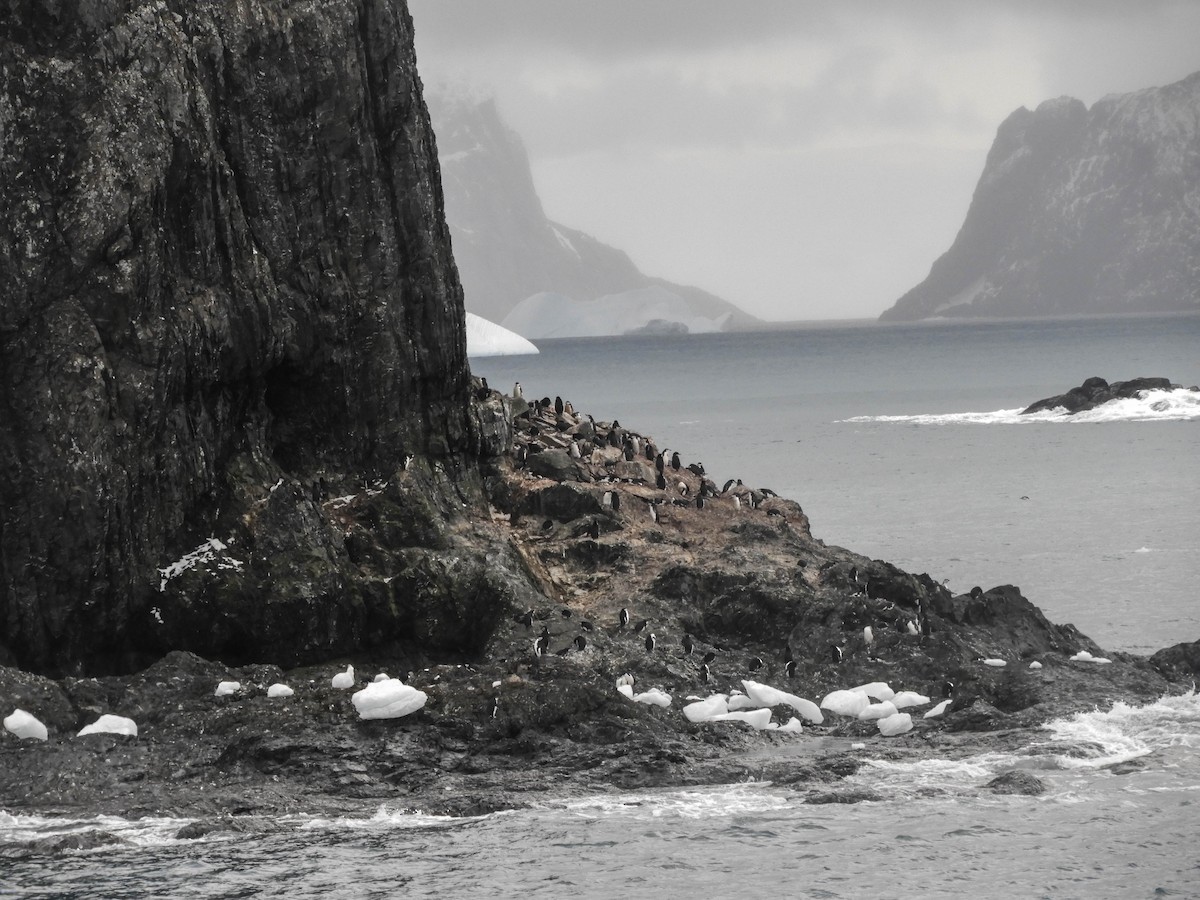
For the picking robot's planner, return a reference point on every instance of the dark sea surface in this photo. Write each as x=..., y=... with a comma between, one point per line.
x=901, y=442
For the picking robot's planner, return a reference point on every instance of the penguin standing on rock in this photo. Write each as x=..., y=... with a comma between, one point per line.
x=704, y=673
x=835, y=653
x=624, y=617
x=641, y=626
x=687, y=645
x=676, y=462
x=650, y=641
x=756, y=663
x=790, y=668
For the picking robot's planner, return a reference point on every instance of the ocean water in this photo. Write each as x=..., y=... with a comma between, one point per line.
x=901, y=442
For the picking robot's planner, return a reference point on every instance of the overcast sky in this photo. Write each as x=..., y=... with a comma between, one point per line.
x=802, y=160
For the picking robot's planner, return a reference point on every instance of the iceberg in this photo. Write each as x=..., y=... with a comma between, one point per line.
x=108, y=724
x=25, y=725
x=485, y=338
x=388, y=700
x=650, y=310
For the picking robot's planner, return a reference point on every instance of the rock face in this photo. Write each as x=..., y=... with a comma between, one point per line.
x=228, y=298
x=1096, y=392
x=1079, y=211
x=505, y=247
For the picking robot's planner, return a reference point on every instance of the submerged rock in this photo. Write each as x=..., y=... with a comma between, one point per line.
x=1096, y=392
x=1017, y=781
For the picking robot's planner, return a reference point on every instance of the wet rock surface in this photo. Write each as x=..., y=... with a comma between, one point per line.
x=1096, y=392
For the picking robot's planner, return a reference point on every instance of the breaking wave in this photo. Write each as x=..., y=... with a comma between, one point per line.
x=1152, y=406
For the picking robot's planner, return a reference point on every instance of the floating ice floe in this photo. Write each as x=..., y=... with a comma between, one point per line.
x=25, y=725
x=878, y=711
x=1084, y=656
x=765, y=695
x=388, y=700
x=279, y=690
x=109, y=724
x=998, y=663
x=895, y=724
x=846, y=703
x=653, y=697
x=225, y=688
x=1035, y=665
x=344, y=680
x=876, y=690
x=905, y=699
x=938, y=710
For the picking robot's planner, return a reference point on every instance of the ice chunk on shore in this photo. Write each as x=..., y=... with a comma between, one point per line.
x=226, y=688
x=793, y=726
x=1084, y=656
x=485, y=338
x=938, y=710
x=109, y=724
x=382, y=676
x=1035, y=665
x=894, y=725
x=876, y=690
x=878, y=711
x=741, y=701
x=387, y=700
x=653, y=697
x=997, y=663
x=905, y=699
x=765, y=695
x=703, y=710
x=846, y=703
x=625, y=690
x=757, y=719
x=344, y=680
x=25, y=725
x=279, y=690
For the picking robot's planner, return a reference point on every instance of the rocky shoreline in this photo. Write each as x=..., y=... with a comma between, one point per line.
x=742, y=578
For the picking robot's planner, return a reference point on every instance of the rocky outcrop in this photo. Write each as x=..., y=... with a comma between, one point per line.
x=229, y=300
x=506, y=248
x=1079, y=211
x=1096, y=392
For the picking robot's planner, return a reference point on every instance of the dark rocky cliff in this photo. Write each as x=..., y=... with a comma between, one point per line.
x=505, y=246
x=228, y=297
x=1079, y=211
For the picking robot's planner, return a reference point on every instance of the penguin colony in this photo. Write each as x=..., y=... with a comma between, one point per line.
x=626, y=471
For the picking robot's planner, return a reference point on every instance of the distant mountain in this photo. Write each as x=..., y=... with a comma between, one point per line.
x=1079, y=211
x=505, y=247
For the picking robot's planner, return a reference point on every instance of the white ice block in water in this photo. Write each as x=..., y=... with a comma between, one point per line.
x=876, y=690
x=878, y=711
x=226, y=688
x=846, y=703
x=765, y=695
x=109, y=724
x=905, y=699
x=279, y=690
x=997, y=663
x=703, y=710
x=388, y=700
x=938, y=710
x=653, y=697
x=894, y=725
x=344, y=680
x=25, y=725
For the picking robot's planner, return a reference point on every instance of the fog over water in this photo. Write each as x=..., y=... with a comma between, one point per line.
x=802, y=160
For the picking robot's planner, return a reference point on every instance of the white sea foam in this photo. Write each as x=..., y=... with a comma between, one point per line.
x=385, y=818
x=144, y=832
x=1151, y=406
x=1097, y=739
x=704, y=803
